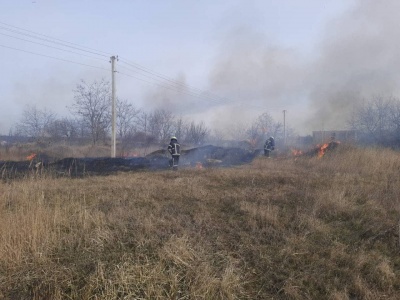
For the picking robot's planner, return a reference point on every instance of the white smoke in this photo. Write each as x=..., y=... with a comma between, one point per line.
x=358, y=56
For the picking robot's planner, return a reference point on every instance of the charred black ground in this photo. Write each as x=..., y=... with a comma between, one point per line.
x=158, y=160
x=206, y=156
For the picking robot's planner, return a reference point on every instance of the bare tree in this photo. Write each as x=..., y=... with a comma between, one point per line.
x=127, y=116
x=395, y=119
x=265, y=124
x=196, y=133
x=143, y=136
x=373, y=119
x=180, y=128
x=127, y=123
x=64, y=128
x=262, y=127
x=142, y=122
x=93, y=106
x=276, y=130
x=161, y=124
x=237, y=131
x=35, y=122
x=377, y=121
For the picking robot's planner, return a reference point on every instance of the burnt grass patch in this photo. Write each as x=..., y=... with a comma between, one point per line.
x=207, y=156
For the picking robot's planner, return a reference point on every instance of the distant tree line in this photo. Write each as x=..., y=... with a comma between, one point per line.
x=377, y=121
x=91, y=121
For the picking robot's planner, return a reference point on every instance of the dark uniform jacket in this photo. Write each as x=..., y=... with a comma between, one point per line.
x=174, y=148
x=269, y=144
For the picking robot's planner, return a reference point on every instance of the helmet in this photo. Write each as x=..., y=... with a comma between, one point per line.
x=173, y=138
x=271, y=137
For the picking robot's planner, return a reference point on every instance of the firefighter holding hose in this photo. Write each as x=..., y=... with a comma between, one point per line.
x=175, y=150
x=269, y=146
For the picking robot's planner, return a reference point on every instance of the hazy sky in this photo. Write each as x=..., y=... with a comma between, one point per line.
x=316, y=59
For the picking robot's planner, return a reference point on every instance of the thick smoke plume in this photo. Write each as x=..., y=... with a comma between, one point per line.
x=358, y=56
x=256, y=77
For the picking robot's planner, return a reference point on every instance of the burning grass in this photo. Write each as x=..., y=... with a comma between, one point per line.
x=303, y=228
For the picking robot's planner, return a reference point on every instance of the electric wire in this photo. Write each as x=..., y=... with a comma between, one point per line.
x=57, y=58
x=51, y=46
x=162, y=85
x=179, y=86
x=173, y=88
x=56, y=39
x=240, y=103
x=50, y=41
x=139, y=67
x=220, y=101
x=161, y=80
x=183, y=106
x=74, y=62
x=205, y=93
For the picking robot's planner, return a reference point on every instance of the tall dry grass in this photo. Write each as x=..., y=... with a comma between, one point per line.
x=286, y=228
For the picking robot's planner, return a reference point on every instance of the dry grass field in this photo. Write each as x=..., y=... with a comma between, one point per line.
x=282, y=228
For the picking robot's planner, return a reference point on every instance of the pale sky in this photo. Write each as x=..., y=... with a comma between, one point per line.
x=311, y=58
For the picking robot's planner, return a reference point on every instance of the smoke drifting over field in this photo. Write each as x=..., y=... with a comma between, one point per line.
x=358, y=57
x=259, y=76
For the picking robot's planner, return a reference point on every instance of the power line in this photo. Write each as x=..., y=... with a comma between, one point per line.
x=159, y=77
x=50, y=41
x=70, y=61
x=139, y=67
x=175, y=84
x=161, y=80
x=137, y=78
x=186, y=86
x=51, y=46
x=200, y=96
x=48, y=56
x=240, y=103
x=56, y=39
x=162, y=85
x=181, y=88
x=73, y=53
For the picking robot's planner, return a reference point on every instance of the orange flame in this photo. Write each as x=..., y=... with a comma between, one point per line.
x=199, y=165
x=322, y=150
x=31, y=157
x=296, y=152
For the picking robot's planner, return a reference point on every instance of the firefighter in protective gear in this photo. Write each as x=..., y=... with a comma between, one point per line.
x=175, y=150
x=269, y=146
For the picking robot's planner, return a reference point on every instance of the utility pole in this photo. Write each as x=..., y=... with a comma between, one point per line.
x=284, y=127
x=113, y=116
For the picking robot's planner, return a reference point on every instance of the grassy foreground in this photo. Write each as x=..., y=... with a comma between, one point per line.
x=302, y=228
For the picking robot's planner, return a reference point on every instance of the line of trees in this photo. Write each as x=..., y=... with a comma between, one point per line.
x=91, y=121
x=377, y=121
